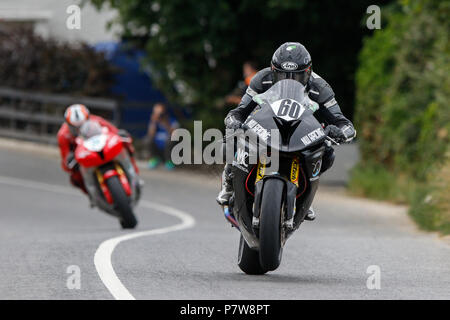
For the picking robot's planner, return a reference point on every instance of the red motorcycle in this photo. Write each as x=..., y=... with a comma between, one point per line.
x=109, y=172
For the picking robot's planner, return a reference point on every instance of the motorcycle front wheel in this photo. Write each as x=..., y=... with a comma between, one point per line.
x=248, y=259
x=121, y=203
x=270, y=249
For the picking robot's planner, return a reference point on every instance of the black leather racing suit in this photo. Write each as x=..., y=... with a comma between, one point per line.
x=318, y=90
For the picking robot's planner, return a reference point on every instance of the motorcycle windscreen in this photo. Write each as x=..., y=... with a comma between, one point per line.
x=90, y=129
x=287, y=108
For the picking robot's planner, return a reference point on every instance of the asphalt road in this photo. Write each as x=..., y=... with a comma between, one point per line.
x=46, y=226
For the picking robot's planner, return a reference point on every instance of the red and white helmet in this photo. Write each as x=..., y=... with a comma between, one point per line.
x=76, y=115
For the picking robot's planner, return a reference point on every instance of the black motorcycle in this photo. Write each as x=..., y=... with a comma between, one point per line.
x=270, y=202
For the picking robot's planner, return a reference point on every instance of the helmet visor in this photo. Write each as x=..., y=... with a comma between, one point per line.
x=300, y=76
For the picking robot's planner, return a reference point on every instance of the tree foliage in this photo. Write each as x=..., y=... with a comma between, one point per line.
x=403, y=88
x=403, y=111
x=201, y=45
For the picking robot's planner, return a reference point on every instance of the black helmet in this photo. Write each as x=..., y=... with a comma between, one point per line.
x=291, y=61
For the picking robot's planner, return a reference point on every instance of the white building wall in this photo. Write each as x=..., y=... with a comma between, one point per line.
x=49, y=18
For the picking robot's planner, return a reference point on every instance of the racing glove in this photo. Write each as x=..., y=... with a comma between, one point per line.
x=232, y=123
x=71, y=162
x=344, y=134
x=348, y=132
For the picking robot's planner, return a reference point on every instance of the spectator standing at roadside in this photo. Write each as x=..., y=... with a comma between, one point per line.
x=160, y=128
x=249, y=69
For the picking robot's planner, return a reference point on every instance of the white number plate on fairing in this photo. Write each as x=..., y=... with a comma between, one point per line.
x=95, y=143
x=287, y=109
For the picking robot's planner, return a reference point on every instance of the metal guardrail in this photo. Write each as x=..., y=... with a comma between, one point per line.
x=37, y=116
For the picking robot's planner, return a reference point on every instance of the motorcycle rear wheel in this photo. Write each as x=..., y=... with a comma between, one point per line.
x=122, y=204
x=270, y=248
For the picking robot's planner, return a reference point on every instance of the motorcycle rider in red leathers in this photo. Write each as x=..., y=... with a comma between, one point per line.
x=75, y=116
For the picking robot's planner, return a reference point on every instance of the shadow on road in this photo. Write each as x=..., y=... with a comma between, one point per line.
x=327, y=279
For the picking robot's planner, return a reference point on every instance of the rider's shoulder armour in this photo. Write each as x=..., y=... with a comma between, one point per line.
x=262, y=80
x=319, y=90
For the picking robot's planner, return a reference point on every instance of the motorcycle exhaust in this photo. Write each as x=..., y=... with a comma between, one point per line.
x=230, y=217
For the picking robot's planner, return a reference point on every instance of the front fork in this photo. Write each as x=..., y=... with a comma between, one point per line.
x=117, y=171
x=291, y=194
x=291, y=183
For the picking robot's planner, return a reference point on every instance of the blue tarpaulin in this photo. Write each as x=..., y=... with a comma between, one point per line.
x=133, y=86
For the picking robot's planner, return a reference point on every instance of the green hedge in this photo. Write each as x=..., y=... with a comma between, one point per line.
x=27, y=61
x=402, y=106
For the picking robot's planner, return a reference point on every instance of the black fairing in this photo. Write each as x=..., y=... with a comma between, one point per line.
x=293, y=125
x=301, y=137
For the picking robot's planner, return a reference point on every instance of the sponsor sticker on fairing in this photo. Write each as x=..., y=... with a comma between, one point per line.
x=316, y=166
x=258, y=129
x=241, y=157
x=313, y=136
x=294, y=171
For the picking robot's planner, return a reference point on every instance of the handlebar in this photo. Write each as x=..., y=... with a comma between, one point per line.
x=332, y=141
x=329, y=130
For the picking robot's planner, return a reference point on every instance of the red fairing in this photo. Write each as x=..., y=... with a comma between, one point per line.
x=113, y=147
x=66, y=141
x=97, y=151
x=88, y=158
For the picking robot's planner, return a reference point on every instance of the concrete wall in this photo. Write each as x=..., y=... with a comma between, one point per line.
x=49, y=18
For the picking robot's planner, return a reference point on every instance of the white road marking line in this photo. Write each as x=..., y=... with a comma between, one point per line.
x=103, y=254
x=102, y=258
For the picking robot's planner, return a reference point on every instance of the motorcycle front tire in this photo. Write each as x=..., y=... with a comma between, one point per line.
x=121, y=203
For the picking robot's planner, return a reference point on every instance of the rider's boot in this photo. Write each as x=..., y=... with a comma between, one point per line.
x=311, y=215
x=223, y=198
x=91, y=202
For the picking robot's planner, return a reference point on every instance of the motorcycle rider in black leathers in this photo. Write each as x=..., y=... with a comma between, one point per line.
x=291, y=61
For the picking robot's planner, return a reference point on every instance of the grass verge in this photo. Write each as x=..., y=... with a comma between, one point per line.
x=429, y=201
